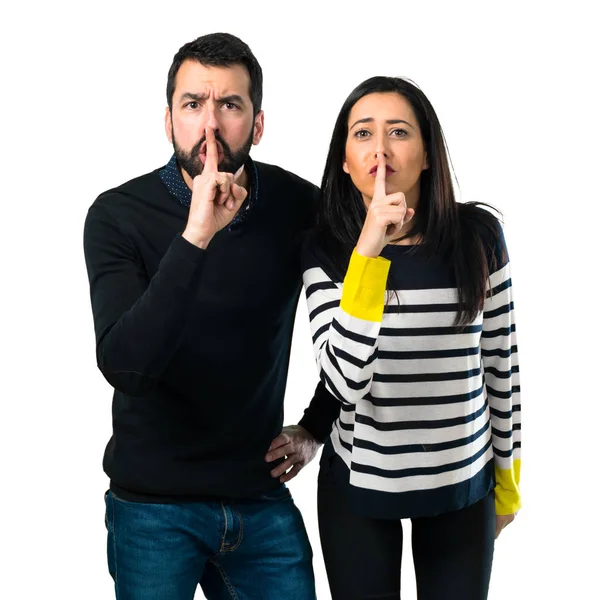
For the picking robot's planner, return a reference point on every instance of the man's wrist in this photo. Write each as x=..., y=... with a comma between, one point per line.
x=196, y=239
x=310, y=429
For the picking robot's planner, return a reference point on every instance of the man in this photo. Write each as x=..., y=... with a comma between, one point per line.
x=194, y=273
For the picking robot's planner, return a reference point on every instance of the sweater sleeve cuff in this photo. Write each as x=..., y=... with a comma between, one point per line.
x=508, y=497
x=182, y=261
x=363, y=294
x=319, y=416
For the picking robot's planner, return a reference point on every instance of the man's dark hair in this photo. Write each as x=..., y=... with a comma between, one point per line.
x=219, y=50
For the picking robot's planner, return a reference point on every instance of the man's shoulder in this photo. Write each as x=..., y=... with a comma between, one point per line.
x=139, y=189
x=273, y=177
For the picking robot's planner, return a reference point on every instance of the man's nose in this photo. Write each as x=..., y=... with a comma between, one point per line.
x=211, y=117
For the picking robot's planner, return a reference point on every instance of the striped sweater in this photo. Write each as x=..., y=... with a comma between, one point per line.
x=430, y=418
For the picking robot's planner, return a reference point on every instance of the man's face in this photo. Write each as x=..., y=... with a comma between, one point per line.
x=217, y=97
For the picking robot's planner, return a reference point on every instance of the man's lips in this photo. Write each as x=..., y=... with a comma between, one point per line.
x=203, y=152
x=388, y=170
x=203, y=157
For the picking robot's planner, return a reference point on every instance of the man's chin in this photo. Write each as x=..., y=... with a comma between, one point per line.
x=228, y=167
x=195, y=168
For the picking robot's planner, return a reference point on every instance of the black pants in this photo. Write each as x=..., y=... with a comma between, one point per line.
x=452, y=552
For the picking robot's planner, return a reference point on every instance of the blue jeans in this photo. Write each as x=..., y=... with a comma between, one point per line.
x=245, y=549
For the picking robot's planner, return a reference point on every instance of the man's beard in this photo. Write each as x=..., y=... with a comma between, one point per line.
x=190, y=161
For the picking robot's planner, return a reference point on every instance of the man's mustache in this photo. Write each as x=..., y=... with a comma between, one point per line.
x=226, y=150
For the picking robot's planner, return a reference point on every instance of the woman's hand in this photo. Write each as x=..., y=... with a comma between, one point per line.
x=502, y=521
x=385, y=217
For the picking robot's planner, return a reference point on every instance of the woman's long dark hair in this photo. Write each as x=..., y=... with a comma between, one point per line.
x=465, y=233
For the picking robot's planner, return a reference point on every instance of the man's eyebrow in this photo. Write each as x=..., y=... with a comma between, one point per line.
x=193, y=96
x=202, y=97
x=231, y=98
x=389, y=122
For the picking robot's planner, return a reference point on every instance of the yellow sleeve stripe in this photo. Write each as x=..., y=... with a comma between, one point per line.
x=508, y=498
x=363, y=293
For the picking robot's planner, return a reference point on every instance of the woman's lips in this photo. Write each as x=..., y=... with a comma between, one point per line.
x=388, y=171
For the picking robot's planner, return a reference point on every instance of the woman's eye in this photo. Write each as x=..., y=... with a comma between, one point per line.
x=361, y=133
x=400, y=132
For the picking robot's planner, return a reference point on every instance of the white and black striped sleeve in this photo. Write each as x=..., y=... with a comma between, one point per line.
x=501, y=372
x=345, y=321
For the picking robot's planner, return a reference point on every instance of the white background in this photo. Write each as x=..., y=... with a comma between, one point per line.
x=514, y=85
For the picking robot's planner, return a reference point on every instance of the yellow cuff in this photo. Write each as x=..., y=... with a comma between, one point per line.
x=363, y=293
x=508, y=498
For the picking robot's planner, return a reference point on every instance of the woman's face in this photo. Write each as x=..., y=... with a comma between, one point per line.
x=386, y=123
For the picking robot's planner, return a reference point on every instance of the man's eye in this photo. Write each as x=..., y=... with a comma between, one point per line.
x=230, y=106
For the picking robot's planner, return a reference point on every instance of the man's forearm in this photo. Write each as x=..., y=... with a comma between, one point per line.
x=320, y=414
x=139, y=323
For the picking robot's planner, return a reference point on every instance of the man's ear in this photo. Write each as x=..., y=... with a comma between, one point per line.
x=259, y=127
x=169, y=125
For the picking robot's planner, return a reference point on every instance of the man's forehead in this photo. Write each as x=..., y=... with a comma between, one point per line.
x=194, y=77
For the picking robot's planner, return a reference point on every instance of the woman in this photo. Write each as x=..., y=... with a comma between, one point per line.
x=409, y=296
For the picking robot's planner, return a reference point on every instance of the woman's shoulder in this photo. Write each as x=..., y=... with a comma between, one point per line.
x=479, y=216
x=477, y=219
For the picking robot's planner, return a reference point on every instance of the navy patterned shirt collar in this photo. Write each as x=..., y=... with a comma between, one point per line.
x=171, y=177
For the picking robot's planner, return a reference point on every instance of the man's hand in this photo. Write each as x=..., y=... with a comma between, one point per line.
x=298, y=446
x=216, y=198
x=502, y=521
x=385, y=218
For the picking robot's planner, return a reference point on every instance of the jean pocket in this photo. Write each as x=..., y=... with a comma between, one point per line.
x=281, y=493
x=122, y=500
x=106, y=509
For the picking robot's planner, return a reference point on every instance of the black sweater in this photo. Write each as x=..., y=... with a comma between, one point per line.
x=196, y=343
